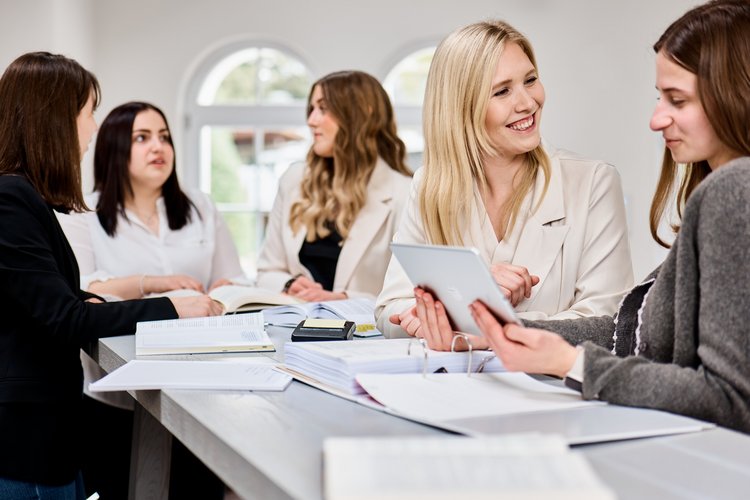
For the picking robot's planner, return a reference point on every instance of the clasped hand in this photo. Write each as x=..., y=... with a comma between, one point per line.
x=515, y=281
x=311, y=291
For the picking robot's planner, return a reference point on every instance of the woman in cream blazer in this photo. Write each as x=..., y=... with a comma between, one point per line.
x=576, y=242
x=364, y=254
x=340, y=208
x=550, y=225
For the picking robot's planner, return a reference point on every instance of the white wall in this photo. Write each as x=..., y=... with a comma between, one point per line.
x=59, y=26
x=595, y=58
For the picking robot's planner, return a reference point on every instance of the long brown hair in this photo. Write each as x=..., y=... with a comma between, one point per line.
x=711, y=41
x=335, y=189
x=41, y=96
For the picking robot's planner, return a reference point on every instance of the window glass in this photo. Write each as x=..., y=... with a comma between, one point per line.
x=242, y=172
x=256, y=76
x=406, y=81
x=405, y=85
x=245, y=125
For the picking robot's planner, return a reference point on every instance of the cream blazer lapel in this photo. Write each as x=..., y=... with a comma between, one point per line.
x=367, y=224
x=540, y=242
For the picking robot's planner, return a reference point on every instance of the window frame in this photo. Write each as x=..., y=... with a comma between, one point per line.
x=262, y=116
x=407, y=115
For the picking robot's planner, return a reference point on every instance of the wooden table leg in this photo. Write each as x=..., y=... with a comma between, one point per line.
x=150, y=458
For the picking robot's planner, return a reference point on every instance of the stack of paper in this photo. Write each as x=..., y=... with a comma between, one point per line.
x=336, y=364
x=499, y=467
x=236, y=333
x=361, y=311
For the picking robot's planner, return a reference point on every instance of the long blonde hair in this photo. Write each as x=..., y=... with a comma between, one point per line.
x=455, y=106
x=711, y=42
x=334, y=190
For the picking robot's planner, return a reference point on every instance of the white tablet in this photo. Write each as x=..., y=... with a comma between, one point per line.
x=457, y=276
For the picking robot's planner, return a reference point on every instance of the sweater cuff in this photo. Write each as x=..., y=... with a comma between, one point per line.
x=574, y=377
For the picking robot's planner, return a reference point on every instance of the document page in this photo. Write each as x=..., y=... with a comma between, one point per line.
x=258, y=374
x=336, y=363
x=442, y=397
x=512, y=466
x=500, y=403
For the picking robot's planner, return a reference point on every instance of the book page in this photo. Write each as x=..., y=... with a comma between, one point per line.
x=253, y=321
x=509, y=466
x=289, y=315
x=241, y=332
x=236, y=297
x=360, y=310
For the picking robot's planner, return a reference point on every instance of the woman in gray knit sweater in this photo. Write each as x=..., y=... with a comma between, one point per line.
x=680, y=340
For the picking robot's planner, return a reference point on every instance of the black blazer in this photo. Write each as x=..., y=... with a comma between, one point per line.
x=44, y=321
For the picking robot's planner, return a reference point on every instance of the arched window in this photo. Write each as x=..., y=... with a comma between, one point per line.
x=405, y=85
x=245, y=124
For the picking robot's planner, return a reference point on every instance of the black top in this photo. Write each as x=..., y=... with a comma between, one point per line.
x=321, y=256
x=45, y=321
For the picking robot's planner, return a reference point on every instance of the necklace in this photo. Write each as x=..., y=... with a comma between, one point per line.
x=148, y=220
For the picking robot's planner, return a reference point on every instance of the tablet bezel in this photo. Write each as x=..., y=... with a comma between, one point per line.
x=457, y=276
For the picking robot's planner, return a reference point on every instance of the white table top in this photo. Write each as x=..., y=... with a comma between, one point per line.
x=269, y=444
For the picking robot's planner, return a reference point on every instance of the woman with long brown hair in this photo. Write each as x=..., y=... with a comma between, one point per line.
x=335, y=215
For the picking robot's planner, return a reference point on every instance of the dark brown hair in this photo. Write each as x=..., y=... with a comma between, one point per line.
x=711, y=41
x=41, y=96
x=334, y=189
x=112, y=173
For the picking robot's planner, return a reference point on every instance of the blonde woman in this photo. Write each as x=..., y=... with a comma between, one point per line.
x=550, y=223
x=335, y=215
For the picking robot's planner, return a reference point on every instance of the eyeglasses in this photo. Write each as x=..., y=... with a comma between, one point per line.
x=470, y=350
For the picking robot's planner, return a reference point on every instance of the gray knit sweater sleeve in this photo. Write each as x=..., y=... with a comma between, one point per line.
x=598, y=329
x=692, y=349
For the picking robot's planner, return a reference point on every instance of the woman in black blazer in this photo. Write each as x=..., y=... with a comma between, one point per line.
x=46, y=122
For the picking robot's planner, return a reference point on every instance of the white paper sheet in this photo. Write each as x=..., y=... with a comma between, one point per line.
x=258, y=375
x=446, y=396
x=511, y=466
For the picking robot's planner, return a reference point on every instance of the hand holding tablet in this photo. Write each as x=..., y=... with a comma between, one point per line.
x=457, y=276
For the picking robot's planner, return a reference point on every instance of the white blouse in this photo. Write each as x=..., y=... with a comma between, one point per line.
x=202, y=249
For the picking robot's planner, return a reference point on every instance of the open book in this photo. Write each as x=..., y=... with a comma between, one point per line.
x=235, y=333
x=513, y=466
x=238, y=298
x=361, y=311
x=333, y=365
